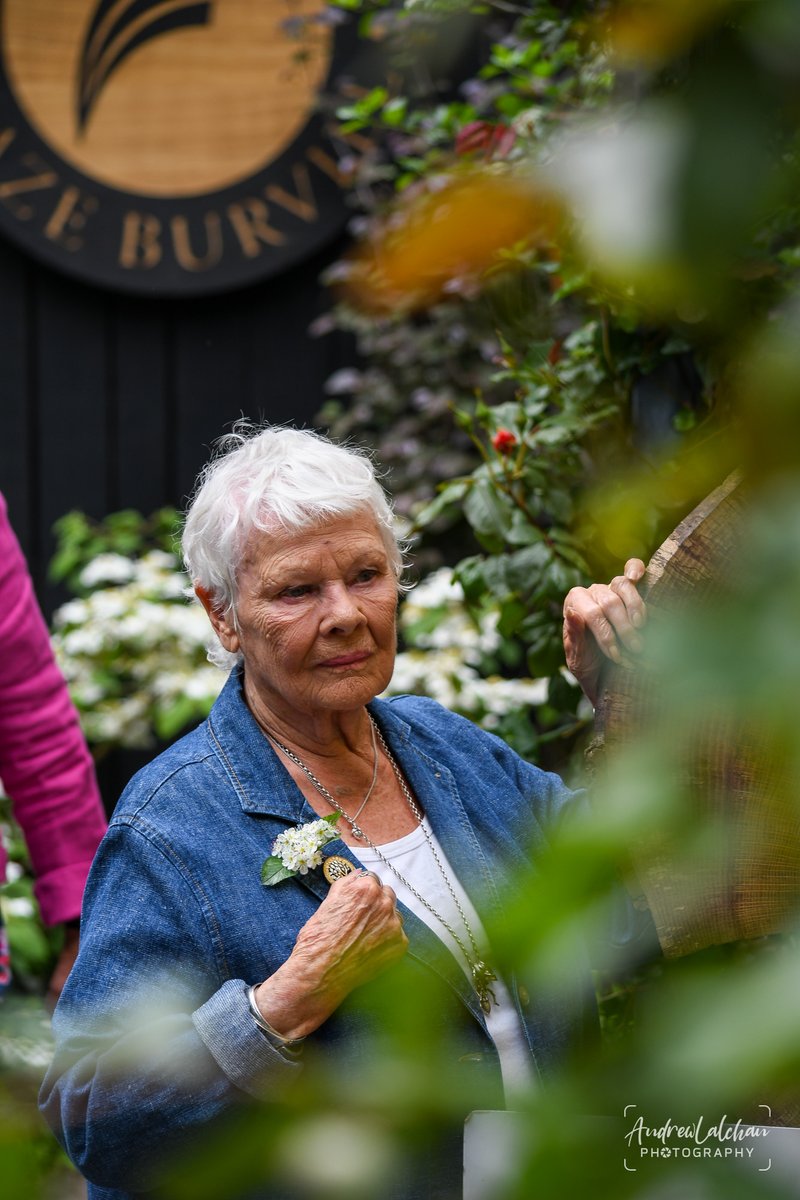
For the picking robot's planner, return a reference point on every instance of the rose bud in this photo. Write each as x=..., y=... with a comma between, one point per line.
x=504, y=441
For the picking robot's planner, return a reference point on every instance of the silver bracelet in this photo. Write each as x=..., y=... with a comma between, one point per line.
x=293, y=1045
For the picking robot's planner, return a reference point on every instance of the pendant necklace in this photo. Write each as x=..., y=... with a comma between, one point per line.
x=482, y=975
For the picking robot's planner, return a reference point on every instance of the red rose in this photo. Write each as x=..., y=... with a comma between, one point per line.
x=504, y=441
x=494, y=140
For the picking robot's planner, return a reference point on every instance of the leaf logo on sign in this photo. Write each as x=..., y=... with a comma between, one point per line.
x=117, y=28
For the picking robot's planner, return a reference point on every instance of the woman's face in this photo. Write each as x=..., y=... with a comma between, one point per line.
x=315, y=618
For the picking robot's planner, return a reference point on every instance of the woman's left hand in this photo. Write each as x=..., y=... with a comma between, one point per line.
x=66, y=958
x=601, y=622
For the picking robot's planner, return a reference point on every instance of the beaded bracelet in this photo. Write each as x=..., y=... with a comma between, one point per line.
x=291, y=1045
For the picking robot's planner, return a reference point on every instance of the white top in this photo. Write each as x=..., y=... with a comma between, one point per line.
x=411, y=857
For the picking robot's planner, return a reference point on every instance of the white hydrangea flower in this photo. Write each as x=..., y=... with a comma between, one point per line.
x=440, y=593
x=187, y=622
x=440, y=587
x=160, y=560
x=173, y=586
x=153, y=579
x=108, y=604
x=134, y=625
x=87, y=692
x=74, y=612
x=18, y=906
x=300, y=850
x=133, y=651
x=205, y=682
x=107, y=568
x=170, y=683
x=448, y=655
x=88, y=640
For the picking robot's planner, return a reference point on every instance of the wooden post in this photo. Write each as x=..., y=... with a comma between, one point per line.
x=744, y=881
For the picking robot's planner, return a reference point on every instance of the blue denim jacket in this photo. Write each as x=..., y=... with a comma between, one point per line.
x=175, y=912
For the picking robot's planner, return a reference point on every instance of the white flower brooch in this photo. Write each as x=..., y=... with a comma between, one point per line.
x=298, y=851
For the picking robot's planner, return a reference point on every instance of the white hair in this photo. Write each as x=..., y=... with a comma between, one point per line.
x=268, y=478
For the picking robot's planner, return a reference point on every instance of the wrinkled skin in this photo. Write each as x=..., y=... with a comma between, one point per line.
x=603, y=621
x=354, y=935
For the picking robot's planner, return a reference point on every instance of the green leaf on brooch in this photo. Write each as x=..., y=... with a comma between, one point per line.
x=273, y=871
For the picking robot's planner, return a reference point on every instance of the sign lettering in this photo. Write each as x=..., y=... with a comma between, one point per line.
x=68, y=217
x=43, y=177
x=301, y=202
x=6, y=138
x=181, y=241
x=141, y=244
x=250, y=224
x=322, y=159
x=181, y=164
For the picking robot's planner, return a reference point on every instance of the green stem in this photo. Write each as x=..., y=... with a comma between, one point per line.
x=606, y=340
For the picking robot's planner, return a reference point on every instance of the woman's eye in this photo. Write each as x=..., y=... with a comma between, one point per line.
x=297, y=593
x=366, y=575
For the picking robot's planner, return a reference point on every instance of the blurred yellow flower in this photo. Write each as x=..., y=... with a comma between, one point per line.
x=649, y=32
x=444, y=240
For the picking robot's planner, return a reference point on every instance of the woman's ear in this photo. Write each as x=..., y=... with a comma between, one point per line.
x=221, y=621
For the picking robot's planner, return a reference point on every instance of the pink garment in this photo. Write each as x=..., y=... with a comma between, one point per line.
x=45, y=765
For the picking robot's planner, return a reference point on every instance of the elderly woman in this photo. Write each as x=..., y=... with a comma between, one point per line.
x=196, y=986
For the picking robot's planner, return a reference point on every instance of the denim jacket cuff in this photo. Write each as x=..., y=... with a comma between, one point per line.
x=236, y=1043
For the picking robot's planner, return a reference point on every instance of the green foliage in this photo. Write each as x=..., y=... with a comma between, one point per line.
x=416, y=370
x=33, y=947
x=32, y=1164
x=541, y=352
x=525, y=441
x=128, y=533
x=563, y=485
x=31, y=1161
x=462, y=657
x=400, y=400
x=132, y=649
x=273, y=871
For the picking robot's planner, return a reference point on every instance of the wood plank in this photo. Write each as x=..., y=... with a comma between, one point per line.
x=70, y=331
x=142, y=426
x=744, y=882
x=288, y=367
x=208, y=382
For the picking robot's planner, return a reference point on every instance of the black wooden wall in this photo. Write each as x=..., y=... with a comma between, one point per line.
x=110, y=402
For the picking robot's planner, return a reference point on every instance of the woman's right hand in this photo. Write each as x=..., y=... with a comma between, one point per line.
x=354, y=935
x=600, y=622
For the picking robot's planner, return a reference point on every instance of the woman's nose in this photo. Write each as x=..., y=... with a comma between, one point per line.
x=341, y=610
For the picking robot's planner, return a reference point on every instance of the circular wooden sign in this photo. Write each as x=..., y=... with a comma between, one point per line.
x=169, y=146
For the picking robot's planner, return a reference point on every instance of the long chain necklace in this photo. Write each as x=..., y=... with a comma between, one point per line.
x=482, y=975
x=352, y=821
x=371, y=787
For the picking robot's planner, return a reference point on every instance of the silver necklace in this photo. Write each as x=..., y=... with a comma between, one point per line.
x=482, y=975
x=371, y=787
x=352, y=821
